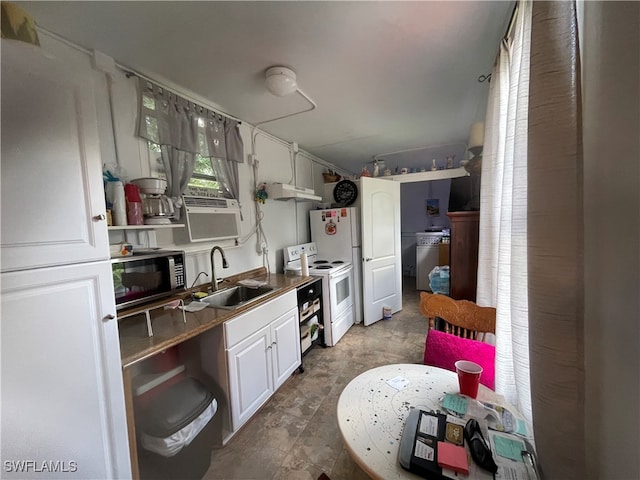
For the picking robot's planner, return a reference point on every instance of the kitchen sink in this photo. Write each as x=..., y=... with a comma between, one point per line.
x=233, y=297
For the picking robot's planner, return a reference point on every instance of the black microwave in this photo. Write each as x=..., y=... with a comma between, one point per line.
x=146, y=276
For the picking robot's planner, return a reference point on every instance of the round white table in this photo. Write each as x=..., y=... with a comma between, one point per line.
x=372, y=413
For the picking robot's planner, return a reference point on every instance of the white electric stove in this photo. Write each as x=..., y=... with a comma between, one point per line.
x=317, y=266
x=337, y=287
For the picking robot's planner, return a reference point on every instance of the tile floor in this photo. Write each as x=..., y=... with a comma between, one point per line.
x=295, y=435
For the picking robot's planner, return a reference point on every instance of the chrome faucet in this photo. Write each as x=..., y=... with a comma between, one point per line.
x=214, y=278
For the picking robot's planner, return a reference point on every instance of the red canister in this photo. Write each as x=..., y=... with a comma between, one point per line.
x=132, y=192
x=134, y=205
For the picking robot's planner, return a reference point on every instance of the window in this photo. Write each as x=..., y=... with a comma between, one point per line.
x=188, y=144
x=203, y=174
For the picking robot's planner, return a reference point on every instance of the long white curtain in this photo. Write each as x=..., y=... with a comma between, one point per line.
x=502, y=259
x=531, y=232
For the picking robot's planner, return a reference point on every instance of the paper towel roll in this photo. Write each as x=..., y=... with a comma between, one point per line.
x=119, y=209
x=304, y=264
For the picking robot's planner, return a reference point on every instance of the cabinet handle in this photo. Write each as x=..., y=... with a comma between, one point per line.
x=269, y=347
x=273, y=343
x=99, y=217
x=368, y=259
x=110, y=316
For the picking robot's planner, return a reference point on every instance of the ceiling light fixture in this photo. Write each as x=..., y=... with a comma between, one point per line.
x=281, y=81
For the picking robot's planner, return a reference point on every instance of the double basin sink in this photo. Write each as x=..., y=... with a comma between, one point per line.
x=234, y=297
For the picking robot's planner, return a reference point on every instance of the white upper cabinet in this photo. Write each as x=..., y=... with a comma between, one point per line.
x=52, y=206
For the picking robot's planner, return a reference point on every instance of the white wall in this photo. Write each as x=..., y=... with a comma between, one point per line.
x=413, y=198
x=284, y=222
x=611, y=92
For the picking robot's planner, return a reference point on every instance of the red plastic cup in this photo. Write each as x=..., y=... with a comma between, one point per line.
x=468, y=377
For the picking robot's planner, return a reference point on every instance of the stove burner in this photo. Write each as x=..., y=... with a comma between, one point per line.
x=337, y=262
x=324, y=267
x=320, y=261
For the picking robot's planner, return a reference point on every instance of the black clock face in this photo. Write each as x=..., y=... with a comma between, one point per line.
x=345, y=192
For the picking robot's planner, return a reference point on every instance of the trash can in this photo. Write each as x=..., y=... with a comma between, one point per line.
x=177, y=432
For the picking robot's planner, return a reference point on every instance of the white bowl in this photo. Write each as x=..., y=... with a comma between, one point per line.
x=151, y=185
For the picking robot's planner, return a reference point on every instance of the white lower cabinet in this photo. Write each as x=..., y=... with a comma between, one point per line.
x=63, y=411
x=261, y=350
x=285, y=342
x=250, y=375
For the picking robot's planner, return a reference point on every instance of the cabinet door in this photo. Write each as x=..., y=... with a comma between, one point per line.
x=285, y=343
x=51, y=168
x=62, y=392
x=464, y=255
x=250, y=381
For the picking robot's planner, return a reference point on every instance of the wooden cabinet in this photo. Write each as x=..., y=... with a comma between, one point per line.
x=464, y=254
x=261, y=350
x=62, y=392
x=53, y=209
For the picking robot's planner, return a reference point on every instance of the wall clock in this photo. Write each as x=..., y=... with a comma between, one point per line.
x=345, y=192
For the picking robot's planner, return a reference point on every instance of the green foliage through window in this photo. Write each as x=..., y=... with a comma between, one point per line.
x=203, y=174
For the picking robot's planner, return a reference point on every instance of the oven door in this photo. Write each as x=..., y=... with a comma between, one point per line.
x=341, y=291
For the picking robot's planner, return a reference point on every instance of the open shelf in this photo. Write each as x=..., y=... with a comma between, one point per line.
x=429, y=175
x=144, y=227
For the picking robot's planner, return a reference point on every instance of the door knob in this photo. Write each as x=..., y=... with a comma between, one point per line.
x=99, y=217
x=110, y=316
x=368, y=259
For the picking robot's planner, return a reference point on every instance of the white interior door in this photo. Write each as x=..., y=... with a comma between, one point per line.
x=381, y=248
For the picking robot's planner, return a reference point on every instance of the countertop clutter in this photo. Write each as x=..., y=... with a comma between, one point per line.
x=169, y=327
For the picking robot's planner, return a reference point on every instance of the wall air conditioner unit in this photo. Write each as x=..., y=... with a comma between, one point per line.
x=210, y=219
x=282, y=191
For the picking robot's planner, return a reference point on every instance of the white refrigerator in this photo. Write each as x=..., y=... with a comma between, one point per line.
x=336, y=233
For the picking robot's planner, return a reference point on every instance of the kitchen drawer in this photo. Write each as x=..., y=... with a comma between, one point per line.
x=246, y=324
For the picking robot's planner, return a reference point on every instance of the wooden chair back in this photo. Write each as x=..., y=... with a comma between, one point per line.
x=461, y=317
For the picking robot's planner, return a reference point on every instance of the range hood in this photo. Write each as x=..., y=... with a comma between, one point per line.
x=282, y=191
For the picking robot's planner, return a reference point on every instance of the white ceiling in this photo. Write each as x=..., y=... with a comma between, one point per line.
x=386, y=76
